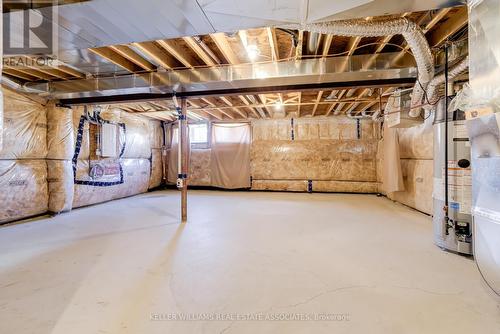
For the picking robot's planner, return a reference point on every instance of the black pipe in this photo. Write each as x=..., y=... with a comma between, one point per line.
x=446, y=203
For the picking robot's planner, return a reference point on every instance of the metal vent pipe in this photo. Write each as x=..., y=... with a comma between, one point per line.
x=432, y=88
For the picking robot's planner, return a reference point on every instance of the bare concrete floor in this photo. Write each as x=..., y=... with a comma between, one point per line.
x=128, y=265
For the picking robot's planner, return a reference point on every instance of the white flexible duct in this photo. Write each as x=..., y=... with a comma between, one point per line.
x=432, y=88
x=411, y=32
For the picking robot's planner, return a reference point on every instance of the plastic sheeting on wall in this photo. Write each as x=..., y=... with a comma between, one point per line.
x=25, y=128
x=276, y=129
x=418, y=183
x=338, y=127
x=23, y=189
x=156, y=134
x=417, y=142
x=137, y=136
x=230, y=159
x=392, y=175
x=341, y=160
x=199, y=167
x=345, y=187
x=156, y=177
x=60, y=133
x=280, y=185
x=60, y=185
x=380, y=164
x=136, y=174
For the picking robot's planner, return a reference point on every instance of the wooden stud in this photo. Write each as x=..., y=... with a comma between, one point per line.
x=318, y=99
x=210, y=102
x=298, y=49
x=129, y=54
x=327, y=44
x=229, y=103
x=299, y=105
x=173, y=48
x=18, y=74
x=33, y=73
x=448, y=28
x=245, y=101
x=191, y=42
x=156, y=53
x=115, y=58
x=183, y=146
x=223, y=45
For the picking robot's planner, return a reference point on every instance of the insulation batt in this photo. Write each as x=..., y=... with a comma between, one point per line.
x=60, y=133
x=156, y=168
x=339, y=127
x=23, y=189
x=333, y=160
x=60, y=185
x=417, y=142
x=280, y=185
x=199, y=167
x=345, y=186
x=155, y=134
x=85, y=144
x=136, y=175
x=25, y=128
x=418, y=180
x=137, y=136
x=380, y=164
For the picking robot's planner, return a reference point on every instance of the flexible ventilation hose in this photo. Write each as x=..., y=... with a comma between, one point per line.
x=374, y=28
x=432, y=88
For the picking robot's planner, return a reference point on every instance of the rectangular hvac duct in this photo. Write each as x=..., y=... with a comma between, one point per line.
x=338, y=72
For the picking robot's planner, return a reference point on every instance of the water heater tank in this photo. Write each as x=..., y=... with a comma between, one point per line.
x=454, y=234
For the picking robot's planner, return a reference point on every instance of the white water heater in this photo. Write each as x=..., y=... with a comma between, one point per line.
x=454, y=233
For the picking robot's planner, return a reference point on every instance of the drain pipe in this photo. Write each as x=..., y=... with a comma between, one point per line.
x=374, y=28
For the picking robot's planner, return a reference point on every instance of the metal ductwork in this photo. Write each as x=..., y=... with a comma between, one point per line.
x=374, y=28
x=246, y=78
x=91, y=24
x=433, y=87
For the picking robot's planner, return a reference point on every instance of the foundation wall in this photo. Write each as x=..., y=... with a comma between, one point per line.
x=334, y=154
x=199, y=167
x=416, y=157
x=23, y=169
x=49, y=162
x=23, y=189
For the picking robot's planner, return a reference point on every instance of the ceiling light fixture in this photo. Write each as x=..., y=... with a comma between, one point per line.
x=253, y=52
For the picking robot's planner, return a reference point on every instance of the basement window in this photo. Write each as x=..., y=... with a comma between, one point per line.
x=198, y=135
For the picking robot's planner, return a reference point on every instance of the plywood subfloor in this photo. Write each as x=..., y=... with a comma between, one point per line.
x=112, y=267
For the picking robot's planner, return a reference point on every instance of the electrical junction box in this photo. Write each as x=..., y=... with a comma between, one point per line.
x=109, y=140
x=180, y=183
